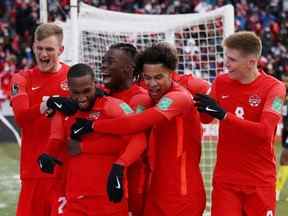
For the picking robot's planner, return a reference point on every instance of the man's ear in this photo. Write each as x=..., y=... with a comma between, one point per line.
x=128, y=70
x=252, y=62
x=61, y=50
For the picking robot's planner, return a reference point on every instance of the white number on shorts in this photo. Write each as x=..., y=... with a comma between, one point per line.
x=269, y=213
x=62, y=202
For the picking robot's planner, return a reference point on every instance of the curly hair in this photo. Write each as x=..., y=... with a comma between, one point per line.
x=161, y=53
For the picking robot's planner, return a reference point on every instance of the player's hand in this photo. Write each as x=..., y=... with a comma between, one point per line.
x=80, y=128
x=115, y=188
x=47, y=163
x=63, y=104
x=208, y=105
x=44, y=110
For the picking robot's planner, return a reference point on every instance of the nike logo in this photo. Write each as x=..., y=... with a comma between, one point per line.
x=58, y=105
x=224, y=96
x=210, y=110
x=118, y=186
x=77, y=131
x=35, y=88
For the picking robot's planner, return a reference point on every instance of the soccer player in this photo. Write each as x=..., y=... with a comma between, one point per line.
x=248, y=104
x=101, y=155
x=118, y=70
x=28, y=88
x=282, y=176
x=174, y=150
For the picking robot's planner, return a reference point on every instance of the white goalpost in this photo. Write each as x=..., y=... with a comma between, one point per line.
x=197, y=37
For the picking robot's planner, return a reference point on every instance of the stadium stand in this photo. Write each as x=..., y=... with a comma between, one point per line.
x=18, y=18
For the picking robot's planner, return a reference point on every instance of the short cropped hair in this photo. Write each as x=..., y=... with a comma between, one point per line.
x=161, y=53
x=46, y=30
x=129, y=49
x=132, y=52
x=79, y=70
x=245, y=41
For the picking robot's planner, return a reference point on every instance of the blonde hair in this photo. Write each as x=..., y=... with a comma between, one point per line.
x=246, y=42
x=48, y=29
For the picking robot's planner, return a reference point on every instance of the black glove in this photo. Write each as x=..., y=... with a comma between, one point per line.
x=63, y=104
x=206, y=104
x=80, y=127
x=115, y=189
x=47, y=163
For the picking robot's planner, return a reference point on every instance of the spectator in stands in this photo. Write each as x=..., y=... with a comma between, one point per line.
x=262, y=17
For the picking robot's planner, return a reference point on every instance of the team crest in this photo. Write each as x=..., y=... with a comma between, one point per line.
x=254, y=100
x=94, y=115
x=64, y=85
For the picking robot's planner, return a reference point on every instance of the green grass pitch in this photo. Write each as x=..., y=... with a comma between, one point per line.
x=9, y=182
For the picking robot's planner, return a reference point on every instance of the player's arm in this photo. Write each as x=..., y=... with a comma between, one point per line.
x=169, y=106
x=271, y=115
x=134, y=149
x=56, y=144
x=57, y=138
x=23, y=112
x=137, y=142
x=197, y=85
x=140, y=102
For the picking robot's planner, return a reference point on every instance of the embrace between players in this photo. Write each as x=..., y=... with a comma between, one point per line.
x=135, y=145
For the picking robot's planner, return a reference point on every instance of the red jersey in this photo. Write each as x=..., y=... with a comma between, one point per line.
x=28, y=89
x=245, y=154
x=177, y=145
x=192, y=83
x=136, y=96
x=88, y=172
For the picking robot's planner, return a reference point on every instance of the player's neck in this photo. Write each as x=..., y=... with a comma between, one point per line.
x=55, y=69
x=124, y=86
x=249, y=77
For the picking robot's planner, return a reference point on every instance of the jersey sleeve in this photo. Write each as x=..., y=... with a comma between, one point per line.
x=57, y=138
x=140, y=102
x=169, y=106
x=174, y=104
x=135, y=147
x=197, y=85
x=20, y=101
x=263, y=130
x=129, y=124
x=270, y=117
x=136, y=143
x=275, y=99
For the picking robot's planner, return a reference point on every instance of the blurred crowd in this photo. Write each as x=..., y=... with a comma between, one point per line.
x=18, y=18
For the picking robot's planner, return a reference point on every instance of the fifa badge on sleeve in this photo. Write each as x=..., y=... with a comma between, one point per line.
x=277, y=104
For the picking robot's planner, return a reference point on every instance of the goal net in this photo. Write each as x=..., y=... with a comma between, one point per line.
x=197, y=37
